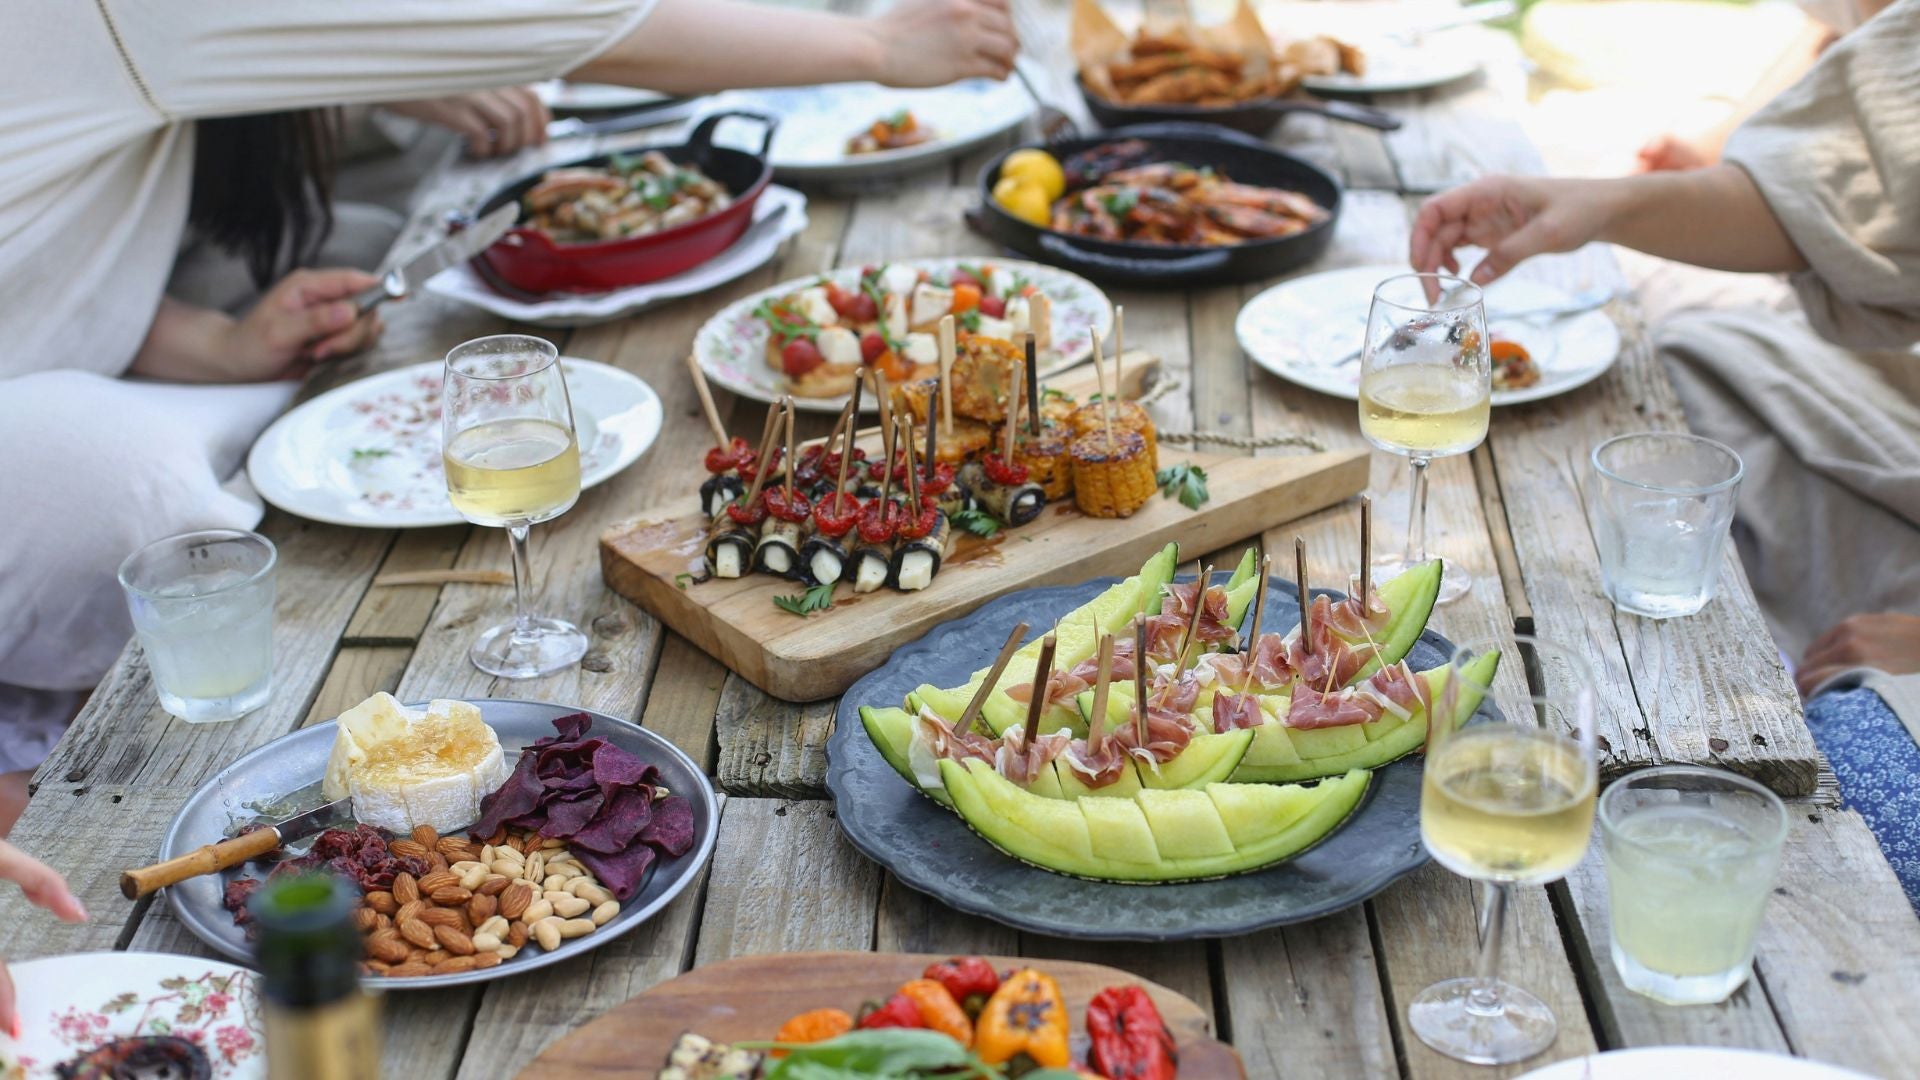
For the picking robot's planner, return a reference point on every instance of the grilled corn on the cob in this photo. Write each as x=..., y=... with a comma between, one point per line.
x=1127, y=415
x=1111, y=478
x=1045, y=457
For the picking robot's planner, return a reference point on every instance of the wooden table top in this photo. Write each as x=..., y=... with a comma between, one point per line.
x=1322, y=999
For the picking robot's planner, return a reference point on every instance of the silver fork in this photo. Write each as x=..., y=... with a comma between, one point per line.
x=1055, y=125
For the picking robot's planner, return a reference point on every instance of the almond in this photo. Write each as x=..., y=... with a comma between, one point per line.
x=481, y=908
x=409, y=849
x=366, y=920
x=425, y=835
x=455, y=941
x=514, y=900
x=382, y=922
x=376, y=967
x=386, y=946
x=517, y=935
x=421, y=956
x=418, y=932
x=382, y=902
x=439, y=916
x=458, y=963
x=437, y=861
x=405, y=887
x=499, y=836
x=494, y=885
x=486, y=959
x=409, y=970
x=452, y=847
x=409, y=911
x=439, y=879
x=450, y=895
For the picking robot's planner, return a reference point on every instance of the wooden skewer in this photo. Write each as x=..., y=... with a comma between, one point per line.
x=1140, y=679
x=1366, y=554
x=443, y=577
x=933, y=443
x=947, y=350
x=1253, y=632
x=1040, y=320
x=1007, y=650
x=1106, y=399
x=1102, y=681
x=793, y=459
x=1193, y=624
x=846, y=449
x=1300, y=580
x=766, y=447
x=1013, y=412
x=1033, y=388
x=886, y=445
x=706, y=402
x=1119, y=343
x=1042, y=671
x=913, y=476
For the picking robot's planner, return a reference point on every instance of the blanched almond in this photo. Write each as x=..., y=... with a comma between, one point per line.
x=539, y=909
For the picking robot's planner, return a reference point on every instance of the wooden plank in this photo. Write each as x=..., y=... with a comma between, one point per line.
x=1306, y=1000
x=912, y=921
x=684, y=699
x=395, y=615
x=785, y=880
x=358, y=672
x=771, y=748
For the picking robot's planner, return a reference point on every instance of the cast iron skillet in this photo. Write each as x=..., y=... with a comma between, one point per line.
x=1255, y=117
x=1245, y=159
x=528, y=260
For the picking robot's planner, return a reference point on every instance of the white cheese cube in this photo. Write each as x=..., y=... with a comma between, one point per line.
x=930, y=302
x=839, y=345
x=899, y=279
x=1019, y=314
x=813, y=305
x=999, y=281
x=995, y=328
x=896, y=315
x=921, y=349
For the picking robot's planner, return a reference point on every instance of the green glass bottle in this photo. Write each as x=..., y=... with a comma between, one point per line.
x=320, y=1024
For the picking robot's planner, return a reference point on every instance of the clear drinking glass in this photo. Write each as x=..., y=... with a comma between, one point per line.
x=202, y=607
x=1691, y=856
x=508, y=445
x=1426, y=387
x=1505, y=804
x=1661, y=504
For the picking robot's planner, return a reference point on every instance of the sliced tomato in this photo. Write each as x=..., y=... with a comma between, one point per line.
x=863, y=308
x=962, y=277
x=799, y=357
x=871, y=346
x=993, y=306
x=842, y=299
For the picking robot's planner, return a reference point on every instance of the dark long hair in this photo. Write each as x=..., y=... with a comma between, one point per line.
x=262, y=187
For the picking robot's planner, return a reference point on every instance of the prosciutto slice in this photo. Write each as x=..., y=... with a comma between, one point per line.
x=1213, y=626
x=1399, y=690
x=1062, y=686
x=1233, y=712
x=938, y=734
x=1096, y=770
x=1020, y=759
x=1312, y=709
x=1268, y=661
x=1168, y=733
x=1355, y=621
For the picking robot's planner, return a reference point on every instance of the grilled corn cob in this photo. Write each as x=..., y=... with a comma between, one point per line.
x=1045, y=457
x=1111, y=479
x=1127, y=415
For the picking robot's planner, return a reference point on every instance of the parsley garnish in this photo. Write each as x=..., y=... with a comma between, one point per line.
x=368, y=454
x=1121, y=203
x=898, y=120
x=978, y=522
x=1186, y=482
x=680, y=580
x=1019, y=286
x=1051, y=392
x=784, y=328
x=970, y=320
x=872, y=289
x=818, y=598
x=619, y=162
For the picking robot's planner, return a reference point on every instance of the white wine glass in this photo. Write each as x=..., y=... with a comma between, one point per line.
x=507, y=443
x=1506, y=803
x=1426, y=388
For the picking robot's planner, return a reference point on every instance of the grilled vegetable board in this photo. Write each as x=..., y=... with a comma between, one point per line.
x=1290, y=813
x=745, y=999
x=799, y=650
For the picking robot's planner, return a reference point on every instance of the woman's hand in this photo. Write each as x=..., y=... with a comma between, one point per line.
x=308, y=316
x=1512, y=217
x=1677, y=153
x=493, y=122
x=1886, y=642
x=935, y=42
x=44, y=888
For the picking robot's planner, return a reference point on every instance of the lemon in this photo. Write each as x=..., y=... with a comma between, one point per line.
x=1026, y=201
x=1036, y=167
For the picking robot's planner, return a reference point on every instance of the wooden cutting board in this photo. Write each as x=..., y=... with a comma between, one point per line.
x=749, y=997
x=656, y=558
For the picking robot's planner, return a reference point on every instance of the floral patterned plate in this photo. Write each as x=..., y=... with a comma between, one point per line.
x=732, y=346
x=69, y=1005
x=368, y=453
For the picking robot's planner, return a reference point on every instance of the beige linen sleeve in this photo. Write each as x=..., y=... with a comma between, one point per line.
x=198, y=58
x=1837, y=157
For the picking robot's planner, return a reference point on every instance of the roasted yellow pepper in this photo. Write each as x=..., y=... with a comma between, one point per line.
x=1026, y=1016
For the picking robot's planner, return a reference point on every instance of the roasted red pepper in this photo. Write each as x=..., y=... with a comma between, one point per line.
x=752, y=513
x=780, y=504
x=735, y=455
x=879, y=521
x=835, y=515
x=1001, y=471
x=970, y=979
x=898, y=1011
x=1130, y=1040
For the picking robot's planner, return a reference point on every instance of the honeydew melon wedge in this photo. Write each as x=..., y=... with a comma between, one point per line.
x=1409, y=598
x=1372, y=744
x=1154, y=836
x=1208, y=759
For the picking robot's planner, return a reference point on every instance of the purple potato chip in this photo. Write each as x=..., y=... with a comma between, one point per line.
x=621, y=873
x=619, y=822
x=671, y=829
x=569, y=816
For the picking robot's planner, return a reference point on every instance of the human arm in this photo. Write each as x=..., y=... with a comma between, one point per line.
x=307, y=316
x=1674, y=152
x=44, y=888
x=1886, y=642
x=699, y=46
x=1713, y=217
x=493, y=122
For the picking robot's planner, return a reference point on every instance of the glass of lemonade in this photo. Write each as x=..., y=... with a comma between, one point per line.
x=507, y=442
x=1505, y=804
x=202, y=607
x=1426, y=387
x=1691, y=855
x=1661, y=504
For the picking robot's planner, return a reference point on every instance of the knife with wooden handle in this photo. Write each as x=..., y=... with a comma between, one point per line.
x=212, y=858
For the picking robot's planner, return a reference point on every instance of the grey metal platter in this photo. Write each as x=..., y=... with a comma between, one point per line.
x=292, y=766
x=931, y=849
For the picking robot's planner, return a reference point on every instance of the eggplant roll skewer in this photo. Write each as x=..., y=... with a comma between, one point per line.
x=1015, y=504
x=717, y=491
x=917, y=560
x=729, y=548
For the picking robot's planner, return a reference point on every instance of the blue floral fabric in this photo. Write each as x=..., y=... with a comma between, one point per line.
x=1878, y=764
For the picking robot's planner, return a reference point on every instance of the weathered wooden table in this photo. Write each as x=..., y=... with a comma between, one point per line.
x=1838, y=972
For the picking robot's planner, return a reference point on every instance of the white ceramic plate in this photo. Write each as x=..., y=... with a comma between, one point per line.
x=1394, y=68
x=570, y=309
x=817, y=121
x=732, y=346
x=1302, y=329
x=368, y=453
x=1691, y=1062
x=70, y=1005
x=564, y=96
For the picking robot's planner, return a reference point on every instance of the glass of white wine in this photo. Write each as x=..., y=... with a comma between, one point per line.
x=506, y=428
x=1506, y=803
x=1426, y=386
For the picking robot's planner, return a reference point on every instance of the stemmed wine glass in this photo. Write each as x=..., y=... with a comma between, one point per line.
x=507, y=443
x=1426, y=386
x=1505, y=804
